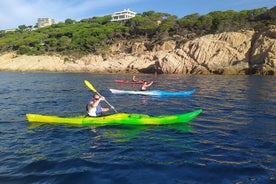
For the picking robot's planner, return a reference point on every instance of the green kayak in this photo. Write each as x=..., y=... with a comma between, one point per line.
x=116, y=119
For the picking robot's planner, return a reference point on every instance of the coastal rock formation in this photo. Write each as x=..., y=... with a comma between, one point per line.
x=244, y=52
x=225, y=53
x=262, y=58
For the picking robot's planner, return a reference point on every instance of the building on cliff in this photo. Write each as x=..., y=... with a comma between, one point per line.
x=123, y=15
x=42, y=22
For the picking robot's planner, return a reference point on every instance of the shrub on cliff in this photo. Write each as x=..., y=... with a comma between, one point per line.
x=94, y=35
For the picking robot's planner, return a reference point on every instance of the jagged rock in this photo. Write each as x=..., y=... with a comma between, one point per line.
x=166, y=46
x=263, y=52
x=220, y=53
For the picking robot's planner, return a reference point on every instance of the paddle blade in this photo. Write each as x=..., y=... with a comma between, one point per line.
x=90, y=86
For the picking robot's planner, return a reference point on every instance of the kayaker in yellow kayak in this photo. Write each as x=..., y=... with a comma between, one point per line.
x=94, y=107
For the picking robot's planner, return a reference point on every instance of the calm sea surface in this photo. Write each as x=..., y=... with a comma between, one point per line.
x=232, y=141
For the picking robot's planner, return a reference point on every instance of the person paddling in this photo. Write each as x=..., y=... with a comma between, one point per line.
x=134, y=78
x=145, y=85
x=94, y=107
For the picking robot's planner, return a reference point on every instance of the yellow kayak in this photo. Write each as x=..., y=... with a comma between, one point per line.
x=115, y=119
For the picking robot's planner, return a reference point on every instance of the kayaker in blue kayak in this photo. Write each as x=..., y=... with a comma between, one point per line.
x=94, y=107
x=145, y=85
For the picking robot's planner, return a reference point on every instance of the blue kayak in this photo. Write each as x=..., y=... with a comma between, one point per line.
x=154, y=92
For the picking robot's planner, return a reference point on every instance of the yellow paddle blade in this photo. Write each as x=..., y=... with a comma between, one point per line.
x=90, y=86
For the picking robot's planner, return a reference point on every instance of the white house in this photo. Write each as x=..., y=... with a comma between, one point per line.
x=123, y=15
x=42, y=22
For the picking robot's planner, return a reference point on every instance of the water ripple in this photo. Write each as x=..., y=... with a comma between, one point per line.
x=231, y=141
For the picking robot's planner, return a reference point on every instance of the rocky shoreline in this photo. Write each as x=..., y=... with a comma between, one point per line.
x=229, y=53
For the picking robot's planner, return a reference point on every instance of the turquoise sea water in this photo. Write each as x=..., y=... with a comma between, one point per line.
x=232, y=141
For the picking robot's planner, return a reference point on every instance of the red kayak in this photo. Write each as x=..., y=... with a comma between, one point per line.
x=130, y=81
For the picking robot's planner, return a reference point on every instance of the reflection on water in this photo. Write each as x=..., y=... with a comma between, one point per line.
x=144, y=99
x=127, y=133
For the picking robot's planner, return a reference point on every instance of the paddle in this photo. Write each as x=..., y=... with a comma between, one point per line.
x=90, y=86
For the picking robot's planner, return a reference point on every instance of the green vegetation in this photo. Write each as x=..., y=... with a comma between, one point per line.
x=94, y=35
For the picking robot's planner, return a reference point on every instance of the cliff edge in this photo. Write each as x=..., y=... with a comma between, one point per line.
x=244, y=52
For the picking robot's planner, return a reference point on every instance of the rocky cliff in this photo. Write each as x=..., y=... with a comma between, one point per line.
x=244, y=52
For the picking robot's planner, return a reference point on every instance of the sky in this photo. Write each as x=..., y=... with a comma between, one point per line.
x=26, y=12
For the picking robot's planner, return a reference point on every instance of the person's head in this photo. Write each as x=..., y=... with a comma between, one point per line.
x=96, y=96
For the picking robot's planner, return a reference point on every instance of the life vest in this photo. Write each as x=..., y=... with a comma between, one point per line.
x=99, y=110
x=94, y=111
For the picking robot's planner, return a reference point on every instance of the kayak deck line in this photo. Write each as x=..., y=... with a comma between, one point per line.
x=115, y=119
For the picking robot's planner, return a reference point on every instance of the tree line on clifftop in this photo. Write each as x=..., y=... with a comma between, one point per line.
x=95, y=35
